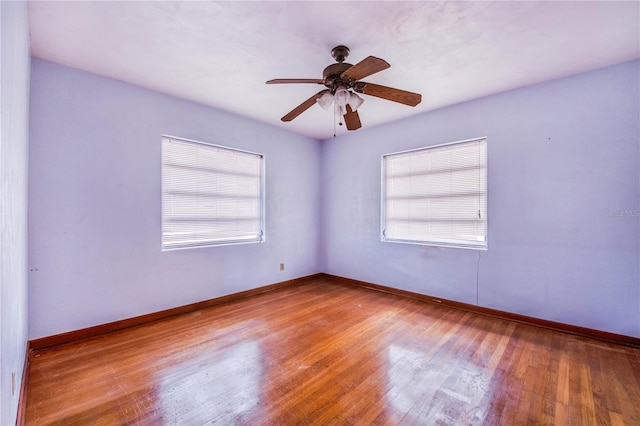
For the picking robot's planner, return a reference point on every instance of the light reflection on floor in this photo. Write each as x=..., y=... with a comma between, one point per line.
x=419, y=386
x=219, y=387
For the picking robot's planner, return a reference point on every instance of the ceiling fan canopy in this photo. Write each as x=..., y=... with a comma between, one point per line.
x=342, y=82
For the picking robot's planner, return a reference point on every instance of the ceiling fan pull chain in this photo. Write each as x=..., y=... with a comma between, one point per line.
x=337, y=111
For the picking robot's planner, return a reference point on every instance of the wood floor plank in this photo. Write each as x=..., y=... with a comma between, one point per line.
x=321, y=352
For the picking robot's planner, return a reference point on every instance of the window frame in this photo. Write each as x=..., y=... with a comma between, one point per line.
x=210, y=243
x=483, y=245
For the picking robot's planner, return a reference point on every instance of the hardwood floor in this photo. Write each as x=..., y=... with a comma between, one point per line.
x=324, y=353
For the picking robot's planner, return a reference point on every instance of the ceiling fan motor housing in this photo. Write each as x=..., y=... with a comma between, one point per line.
x=332, y=73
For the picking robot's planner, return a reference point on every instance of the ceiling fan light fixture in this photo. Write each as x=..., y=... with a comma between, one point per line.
x=355, y=101
x=325, y=100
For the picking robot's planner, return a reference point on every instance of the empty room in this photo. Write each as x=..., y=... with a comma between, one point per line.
x=320, y=213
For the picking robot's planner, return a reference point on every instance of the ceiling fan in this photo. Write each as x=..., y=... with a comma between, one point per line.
x=342, y=82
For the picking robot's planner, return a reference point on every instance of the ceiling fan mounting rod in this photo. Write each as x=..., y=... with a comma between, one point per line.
x=340, y=53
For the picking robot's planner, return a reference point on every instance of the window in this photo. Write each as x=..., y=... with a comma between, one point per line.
x=211, y=195
x=436, y=195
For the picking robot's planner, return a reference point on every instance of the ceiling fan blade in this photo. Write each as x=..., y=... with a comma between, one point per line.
x=352, y=119
x=303, y=106
x=388, y=93
x=295, y=80
x=364, y=68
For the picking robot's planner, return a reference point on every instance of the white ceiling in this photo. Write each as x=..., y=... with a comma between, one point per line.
x=221, y=53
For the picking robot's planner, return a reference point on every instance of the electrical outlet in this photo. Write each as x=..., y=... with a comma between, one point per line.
x=13, y=383
x=282, y=266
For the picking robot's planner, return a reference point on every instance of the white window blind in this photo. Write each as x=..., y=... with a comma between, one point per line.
x=211, y=195
x=436, y=195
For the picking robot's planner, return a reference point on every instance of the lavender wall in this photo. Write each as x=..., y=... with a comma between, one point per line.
x=564, y=179
x=94, y=203
x=14, y=136
x=563, y=203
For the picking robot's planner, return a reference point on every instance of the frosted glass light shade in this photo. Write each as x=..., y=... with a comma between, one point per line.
x=341, y=97
x=325, y=100
x=355, y=101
